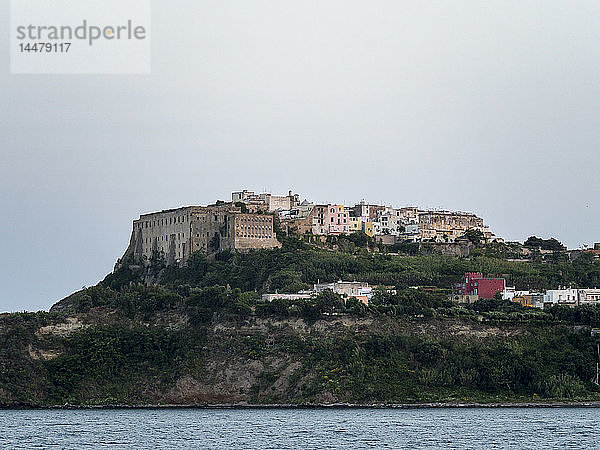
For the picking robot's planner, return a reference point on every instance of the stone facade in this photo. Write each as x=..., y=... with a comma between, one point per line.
x=177, y=233
x=299, y=219
x=250, y=231
x=318, y=217
x=448, y=225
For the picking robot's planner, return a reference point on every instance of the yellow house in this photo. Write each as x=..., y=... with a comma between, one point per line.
x=359, y=224
x=355, y=224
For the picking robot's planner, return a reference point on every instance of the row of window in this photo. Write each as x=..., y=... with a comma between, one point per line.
x=253, y=227
x=338, y=221
x=161, y=222
x=257, y=219
x=148, y=249
x=160, y=238
x=255, y=236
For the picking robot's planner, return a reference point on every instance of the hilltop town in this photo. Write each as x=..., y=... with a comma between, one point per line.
x=252, y=221
x=249, y=221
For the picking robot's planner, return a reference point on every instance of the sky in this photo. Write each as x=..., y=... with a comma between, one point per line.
x=489, y=107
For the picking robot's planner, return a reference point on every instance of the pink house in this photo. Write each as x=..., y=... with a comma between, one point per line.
x=337, y=219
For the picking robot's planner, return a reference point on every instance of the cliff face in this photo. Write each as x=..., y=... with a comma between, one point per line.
x=101, y=358
x=278, y=361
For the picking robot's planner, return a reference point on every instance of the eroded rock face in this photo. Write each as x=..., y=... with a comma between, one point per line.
x=43, y=348
x=46, y=355
x=230, y=377
x=70, y=325
x=233, y=381
x=189, y=390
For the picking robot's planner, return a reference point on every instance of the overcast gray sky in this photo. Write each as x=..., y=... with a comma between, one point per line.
x=491, y=107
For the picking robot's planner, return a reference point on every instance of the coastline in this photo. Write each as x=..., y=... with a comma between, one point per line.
x=435, y=405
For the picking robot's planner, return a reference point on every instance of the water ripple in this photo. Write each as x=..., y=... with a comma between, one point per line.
x=477, y=428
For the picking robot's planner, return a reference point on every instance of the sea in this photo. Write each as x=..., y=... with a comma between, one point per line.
x=289, y=428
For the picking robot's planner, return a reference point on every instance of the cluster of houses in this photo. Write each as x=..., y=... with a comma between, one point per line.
x=476, y=286
x=385, y=223
x=357, y=289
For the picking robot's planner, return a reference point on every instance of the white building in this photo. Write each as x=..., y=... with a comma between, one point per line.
x=298, y=296
x=589, y=296
x=389, y=221
x=568, y=297
x=510, y=292
x=347, y=288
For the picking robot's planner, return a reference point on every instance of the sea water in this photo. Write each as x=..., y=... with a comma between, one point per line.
x=281, y=428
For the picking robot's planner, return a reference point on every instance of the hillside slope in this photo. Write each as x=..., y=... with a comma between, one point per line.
x=201, y=335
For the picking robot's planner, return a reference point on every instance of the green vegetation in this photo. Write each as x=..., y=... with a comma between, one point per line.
x=389, y=368
x=544, y=244
x=298, y=264
x=202, y=335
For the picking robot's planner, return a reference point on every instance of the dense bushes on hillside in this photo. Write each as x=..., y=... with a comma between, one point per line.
x=297, y=265
x=556, y=364
x=231, y=284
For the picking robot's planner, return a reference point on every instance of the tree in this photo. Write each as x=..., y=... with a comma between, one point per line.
x=475, y=236
x=242, y=207
x=544, y=244
x=359, y=238
x=328, y=301
x=215, y=243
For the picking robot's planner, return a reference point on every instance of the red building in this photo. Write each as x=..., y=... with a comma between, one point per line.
x=475, y=284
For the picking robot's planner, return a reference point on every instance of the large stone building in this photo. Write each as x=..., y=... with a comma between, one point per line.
x=177, y=233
